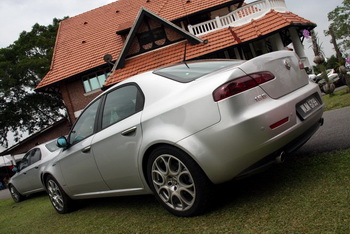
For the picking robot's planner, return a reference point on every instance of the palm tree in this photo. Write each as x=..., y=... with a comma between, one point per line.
x=319, y=59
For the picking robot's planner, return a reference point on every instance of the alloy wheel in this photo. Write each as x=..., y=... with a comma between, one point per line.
x=55, y=195
x=173, y=182
x=16, y=196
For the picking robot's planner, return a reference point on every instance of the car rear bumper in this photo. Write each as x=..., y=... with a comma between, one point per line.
x=279, y=155
x=228, y=148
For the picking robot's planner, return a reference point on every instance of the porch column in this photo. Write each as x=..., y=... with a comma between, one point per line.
x=276, y=42
x=298, y=46
x=252, y=49
x=237, y=53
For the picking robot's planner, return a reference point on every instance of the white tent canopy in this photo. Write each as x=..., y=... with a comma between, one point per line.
x=9, y=160
x=6, y=161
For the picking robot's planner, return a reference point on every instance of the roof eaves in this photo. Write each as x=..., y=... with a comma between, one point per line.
x=39, y=86
x=56, y=42
x=8, y=150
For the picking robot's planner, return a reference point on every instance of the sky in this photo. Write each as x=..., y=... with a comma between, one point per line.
x=20, y=15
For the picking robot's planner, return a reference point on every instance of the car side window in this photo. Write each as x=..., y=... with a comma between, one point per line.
x=84, y=126
x=120, y=104
x=25, y=161
x=29, y=158
x=35, y=156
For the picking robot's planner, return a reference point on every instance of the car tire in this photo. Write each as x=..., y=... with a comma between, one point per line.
x=16, y=196
x=59, y=199
x=177, y=182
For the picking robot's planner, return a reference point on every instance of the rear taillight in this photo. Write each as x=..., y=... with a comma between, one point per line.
x=241, y=84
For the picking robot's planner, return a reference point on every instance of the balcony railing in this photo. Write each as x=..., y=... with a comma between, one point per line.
x=239, y=17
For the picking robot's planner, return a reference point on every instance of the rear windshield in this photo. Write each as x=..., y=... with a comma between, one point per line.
x=52, y=146
x=187, y=72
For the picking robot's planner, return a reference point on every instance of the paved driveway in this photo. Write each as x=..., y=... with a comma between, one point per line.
x=4, y=194
x=333, y=135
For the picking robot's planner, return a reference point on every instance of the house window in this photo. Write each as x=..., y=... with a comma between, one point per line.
x=94, y=80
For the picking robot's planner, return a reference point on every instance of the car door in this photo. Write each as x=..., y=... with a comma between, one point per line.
x=116, y=146
x=20, y=179
x=27, y=179
x=31, y=172
x=77, y=162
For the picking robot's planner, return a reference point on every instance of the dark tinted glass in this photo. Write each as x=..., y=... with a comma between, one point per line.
x=84, y=126
x=193, y=70
x=120, y=103
x=52, y=146
x=35, y=157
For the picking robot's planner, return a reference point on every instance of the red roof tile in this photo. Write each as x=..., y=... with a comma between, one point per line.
x=216, y=40
x=83, y=40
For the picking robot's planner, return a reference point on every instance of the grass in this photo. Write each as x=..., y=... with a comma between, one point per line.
x=306, y=194
x=339, y=100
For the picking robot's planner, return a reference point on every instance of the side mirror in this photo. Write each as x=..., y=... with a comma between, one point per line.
x=62, y=142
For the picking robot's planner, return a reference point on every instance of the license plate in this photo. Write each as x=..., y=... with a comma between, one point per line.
x=308, y=106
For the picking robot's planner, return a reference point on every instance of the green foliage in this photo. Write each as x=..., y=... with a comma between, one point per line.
x=332, y=63
x=22, y=66
x=316, y=69
x=340, y=18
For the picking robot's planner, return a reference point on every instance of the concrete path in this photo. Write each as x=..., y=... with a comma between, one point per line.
x=5, y=194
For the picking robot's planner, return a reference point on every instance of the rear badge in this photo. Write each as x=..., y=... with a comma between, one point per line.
x=287, y=63
x=260, y=97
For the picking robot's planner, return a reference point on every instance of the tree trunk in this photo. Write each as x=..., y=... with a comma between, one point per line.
x=336, y=48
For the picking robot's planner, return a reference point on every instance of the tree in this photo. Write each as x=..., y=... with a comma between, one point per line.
x=22, y=66
x=332, y=63
x=340, y=18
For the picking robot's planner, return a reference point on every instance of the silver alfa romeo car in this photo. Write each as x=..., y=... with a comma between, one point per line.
x=178, y=130
x=27, y=179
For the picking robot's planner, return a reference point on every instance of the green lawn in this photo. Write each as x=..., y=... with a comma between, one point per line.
x=306, y=194
x=339, y=100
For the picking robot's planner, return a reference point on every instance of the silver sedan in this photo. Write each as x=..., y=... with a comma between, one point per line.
x=177, y=131
x=27, y=179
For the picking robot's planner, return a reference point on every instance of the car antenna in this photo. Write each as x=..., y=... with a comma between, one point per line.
x=184, y=61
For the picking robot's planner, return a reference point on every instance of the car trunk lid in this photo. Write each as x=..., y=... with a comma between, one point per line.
x=284, y=65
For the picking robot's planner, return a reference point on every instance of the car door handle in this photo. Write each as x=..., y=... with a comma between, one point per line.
x=86, y=149
x=129, y=131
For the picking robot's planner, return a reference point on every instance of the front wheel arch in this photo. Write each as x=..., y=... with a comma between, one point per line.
x=58, y=198
x=16, y=196
x=149, y=151
x=190, y=180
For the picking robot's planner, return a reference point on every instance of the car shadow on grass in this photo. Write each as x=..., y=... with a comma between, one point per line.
x=277, y=182
x=135, y=203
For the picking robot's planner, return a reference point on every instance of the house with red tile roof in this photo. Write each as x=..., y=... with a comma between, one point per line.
x=104, y=46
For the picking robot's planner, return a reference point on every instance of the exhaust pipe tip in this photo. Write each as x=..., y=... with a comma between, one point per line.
x=321, y=121
x=280, y=158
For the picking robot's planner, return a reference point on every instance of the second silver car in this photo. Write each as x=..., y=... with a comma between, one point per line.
x=27, y=179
